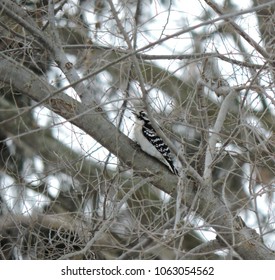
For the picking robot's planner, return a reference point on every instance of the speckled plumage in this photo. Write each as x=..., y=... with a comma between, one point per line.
x=150, y=142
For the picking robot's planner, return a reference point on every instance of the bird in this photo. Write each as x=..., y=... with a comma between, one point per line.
x=149, y=141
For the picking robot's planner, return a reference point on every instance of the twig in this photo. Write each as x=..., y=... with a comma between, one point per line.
x=168, y=56
x=6, y=4
x=107, y=223
x=227, y=102
x=240, y=31
x=203, y=249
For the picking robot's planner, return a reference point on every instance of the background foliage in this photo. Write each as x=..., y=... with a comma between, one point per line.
x=73, y=185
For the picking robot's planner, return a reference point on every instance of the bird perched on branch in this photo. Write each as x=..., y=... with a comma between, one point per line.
x=150, y=142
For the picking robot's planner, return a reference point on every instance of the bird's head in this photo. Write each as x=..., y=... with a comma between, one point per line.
x=141, y=115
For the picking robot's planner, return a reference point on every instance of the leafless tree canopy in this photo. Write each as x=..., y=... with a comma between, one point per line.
x=73, y=182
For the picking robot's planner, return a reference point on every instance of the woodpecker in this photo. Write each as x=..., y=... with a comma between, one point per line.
x=150, y=142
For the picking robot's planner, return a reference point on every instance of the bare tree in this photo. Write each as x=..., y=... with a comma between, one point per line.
x=73, y=182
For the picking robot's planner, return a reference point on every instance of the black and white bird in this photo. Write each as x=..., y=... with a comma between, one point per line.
x=150, y=142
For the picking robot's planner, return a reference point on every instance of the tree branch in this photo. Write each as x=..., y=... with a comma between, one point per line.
x=240, y=31
x=210, y=151
x=141, y=56
x=90, y=120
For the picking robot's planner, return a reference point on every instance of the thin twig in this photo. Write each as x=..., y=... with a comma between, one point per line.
x=176, y=34
x=168, y=56
x=203, y=249
x=239, y=30
x=210, y=152
x=108, y=222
